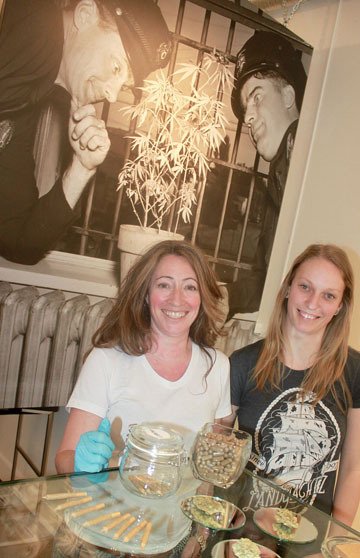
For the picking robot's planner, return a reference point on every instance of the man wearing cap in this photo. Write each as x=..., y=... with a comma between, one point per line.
x=90, y=49
x=267, y=96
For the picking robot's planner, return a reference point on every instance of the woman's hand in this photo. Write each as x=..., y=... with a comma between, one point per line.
x=94, y=449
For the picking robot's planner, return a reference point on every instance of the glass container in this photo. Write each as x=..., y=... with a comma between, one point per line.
x=220, y=454
x=341, y=547
x=151, y=463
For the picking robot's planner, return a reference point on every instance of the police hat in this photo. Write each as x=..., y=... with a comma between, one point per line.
x=268, y=51
x=144, y=34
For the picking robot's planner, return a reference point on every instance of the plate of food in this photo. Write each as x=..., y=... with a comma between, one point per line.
x=109, y=516
x=285, y=525
x=241, y=548
x=341, y=547
x=213, y=513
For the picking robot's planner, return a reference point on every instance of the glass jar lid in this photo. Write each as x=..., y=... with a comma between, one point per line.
x=156, y=438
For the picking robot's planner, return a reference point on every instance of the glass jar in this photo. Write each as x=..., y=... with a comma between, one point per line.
x=220, y=454
x=151, y=463
x=339, y=547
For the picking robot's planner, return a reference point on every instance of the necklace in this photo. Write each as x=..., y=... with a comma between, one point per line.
x=287, y=13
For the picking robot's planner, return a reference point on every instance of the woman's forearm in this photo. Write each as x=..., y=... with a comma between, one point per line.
x=346, y=501
x=64, y=461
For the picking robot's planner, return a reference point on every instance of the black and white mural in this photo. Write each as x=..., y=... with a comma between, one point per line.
x=70, y=73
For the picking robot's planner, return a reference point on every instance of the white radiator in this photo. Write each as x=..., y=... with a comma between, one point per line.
x=43, y=338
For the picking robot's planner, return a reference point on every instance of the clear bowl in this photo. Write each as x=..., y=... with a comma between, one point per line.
x=341, y=547
x=220, y=454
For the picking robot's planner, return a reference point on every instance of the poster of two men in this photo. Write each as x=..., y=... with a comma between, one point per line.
x=80, y=55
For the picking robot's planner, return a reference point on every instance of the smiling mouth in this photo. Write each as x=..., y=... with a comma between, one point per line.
x=307, y=316
x=174, y=315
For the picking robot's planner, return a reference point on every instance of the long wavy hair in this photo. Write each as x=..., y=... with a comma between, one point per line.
x=128, y=324
x=327, y=370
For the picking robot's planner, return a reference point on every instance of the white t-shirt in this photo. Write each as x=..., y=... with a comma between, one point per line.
x=127, y=390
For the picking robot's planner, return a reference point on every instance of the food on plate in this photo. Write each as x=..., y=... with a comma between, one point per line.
x=245, y=548
x=209, y=511
x=286, y=523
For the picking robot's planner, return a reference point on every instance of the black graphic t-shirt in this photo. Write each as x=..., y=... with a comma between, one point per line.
x=295, y=444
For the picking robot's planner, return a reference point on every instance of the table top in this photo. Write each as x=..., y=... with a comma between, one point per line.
x=95, y=515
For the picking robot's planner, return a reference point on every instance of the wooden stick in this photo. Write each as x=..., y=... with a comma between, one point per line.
x=89, y=509
x=146, y=534
x=73, y=503
x=113, y=524
x=63, y=495
x=135, y=530
x=101, y=518
x=159, y=522
x=124, y=527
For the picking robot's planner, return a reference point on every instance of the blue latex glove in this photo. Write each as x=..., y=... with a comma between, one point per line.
x=94, y=449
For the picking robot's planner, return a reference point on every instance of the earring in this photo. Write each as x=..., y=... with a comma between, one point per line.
x=287, y=292
x=337, y=311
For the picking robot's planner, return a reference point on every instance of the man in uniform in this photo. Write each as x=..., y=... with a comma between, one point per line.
x=88, y=49
x=268, y=91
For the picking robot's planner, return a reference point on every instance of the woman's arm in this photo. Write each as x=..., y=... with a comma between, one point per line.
x=78, y=422
x=230, y=419
x=347, y=493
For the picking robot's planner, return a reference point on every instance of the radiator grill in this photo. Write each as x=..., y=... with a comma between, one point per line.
x=43, y=338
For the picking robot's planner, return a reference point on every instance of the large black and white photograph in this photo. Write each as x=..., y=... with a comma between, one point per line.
x=172, y=117
x=179, y=272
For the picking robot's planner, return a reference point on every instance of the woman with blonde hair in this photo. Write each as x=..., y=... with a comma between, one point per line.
x=152, y=359
x=298, y=390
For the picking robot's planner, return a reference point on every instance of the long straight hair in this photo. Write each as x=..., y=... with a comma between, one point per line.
x=327, y=370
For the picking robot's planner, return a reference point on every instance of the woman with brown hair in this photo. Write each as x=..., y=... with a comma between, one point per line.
x=152, y=359
x=298, y=390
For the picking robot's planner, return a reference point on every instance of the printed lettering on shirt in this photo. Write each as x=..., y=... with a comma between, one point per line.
x=296, y=443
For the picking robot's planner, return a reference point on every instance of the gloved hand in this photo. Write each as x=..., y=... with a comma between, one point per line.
x=94, y=449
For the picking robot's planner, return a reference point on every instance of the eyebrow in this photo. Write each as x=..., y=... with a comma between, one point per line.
x=251, y=94
x=171, y=277
x=332, y=289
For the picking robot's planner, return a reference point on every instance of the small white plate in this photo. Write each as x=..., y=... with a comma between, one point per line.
x=213, y=513
x=224, y=549
x=264, y=518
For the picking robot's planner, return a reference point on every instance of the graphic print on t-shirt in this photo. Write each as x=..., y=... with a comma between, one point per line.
x=295, y=443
